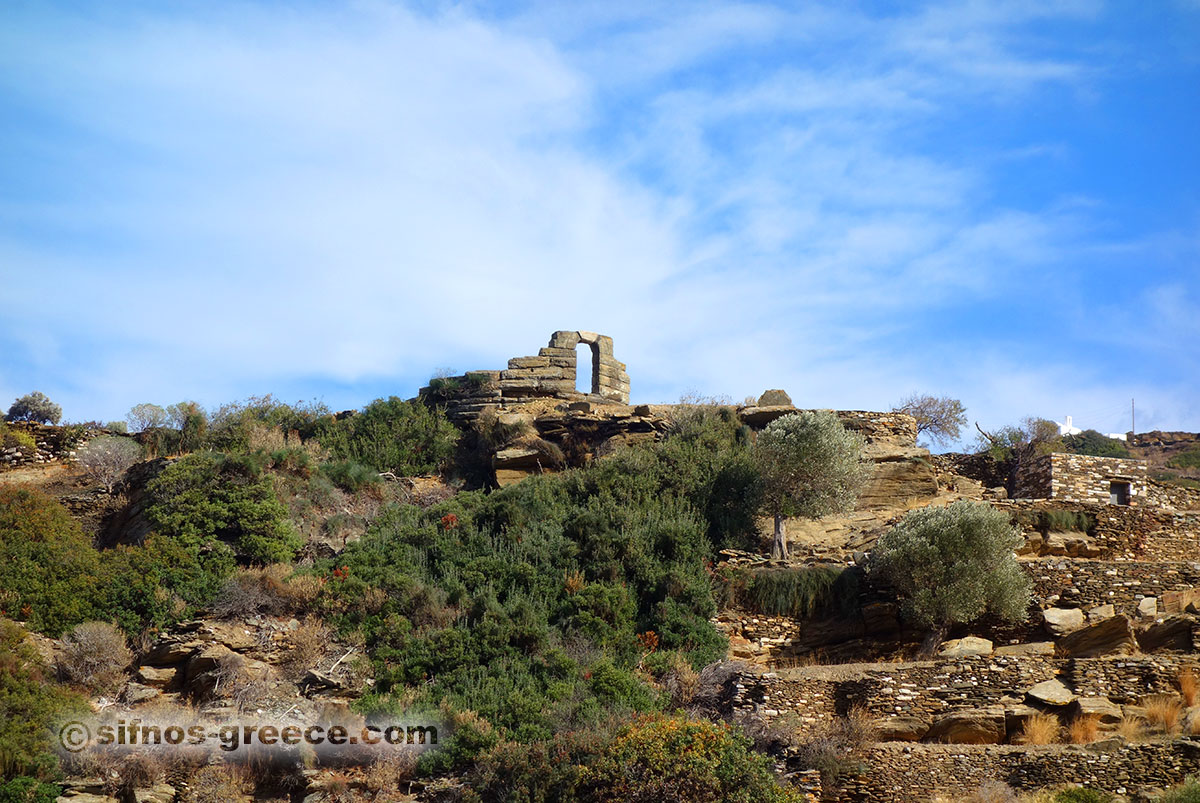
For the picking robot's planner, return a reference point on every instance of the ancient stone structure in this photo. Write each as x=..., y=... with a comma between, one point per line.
x=551, y=373
x=1083, y=478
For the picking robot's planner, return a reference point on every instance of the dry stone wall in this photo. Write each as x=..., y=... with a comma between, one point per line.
x=551, y=373
x=902, y=774
x=1082, y=478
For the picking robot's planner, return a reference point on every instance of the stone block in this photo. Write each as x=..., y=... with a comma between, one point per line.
x=1061, y=621
x=974, y=726
x=564, y=340
x=1051, y=692
x=529, y=362
x=900, y=729
x=771, y=398
x=965, y=647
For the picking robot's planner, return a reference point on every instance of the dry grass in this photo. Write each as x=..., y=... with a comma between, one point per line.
x=1131, y=727
x=988, y=792
x=1085, y=729
x=309, y=644
x=218, y=783
x=1187, y=686
x=95, y=656
x=1040, y=729
x=1163, y=712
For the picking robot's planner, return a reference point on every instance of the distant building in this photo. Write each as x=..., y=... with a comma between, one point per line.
x=1068, y=428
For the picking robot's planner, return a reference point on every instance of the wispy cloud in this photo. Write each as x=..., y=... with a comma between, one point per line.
x=744, y=195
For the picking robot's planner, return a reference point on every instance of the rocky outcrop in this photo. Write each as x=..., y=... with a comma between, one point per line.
x=974, y=726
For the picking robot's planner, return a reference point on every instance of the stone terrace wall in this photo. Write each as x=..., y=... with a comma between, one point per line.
x=1127, y=533
x=927, y=689
x=912, y=773
x=54, y=444
x=1082, y=478
x=1123, y=584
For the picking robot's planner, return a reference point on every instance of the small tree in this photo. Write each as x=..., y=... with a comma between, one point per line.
x=146, y=416
x=106, y=459
x=938, y=417
x=34, y=407
x=811, y=467
x=954, y=564
x=1018, y=446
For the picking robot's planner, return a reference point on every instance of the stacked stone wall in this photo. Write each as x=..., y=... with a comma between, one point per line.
x=903, y=774
x=928, y=689
x=54, y=444
x=1082, y=478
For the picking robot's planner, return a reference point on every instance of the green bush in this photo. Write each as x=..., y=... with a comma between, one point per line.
x=534, y=605
x=954, y=564
x=17, y=439
x=667, y=759
x=30, y=704
x=48, y=566
x=1188, y=458
x=211, y=496
x=351, y=477
x=797, y=592
x=1186, y=792
x=233, y=424
x=1091, y=442
x=28, y=790
x=406, y=438
x=654, y=758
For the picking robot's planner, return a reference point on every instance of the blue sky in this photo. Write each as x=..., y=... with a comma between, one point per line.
x=851, y=201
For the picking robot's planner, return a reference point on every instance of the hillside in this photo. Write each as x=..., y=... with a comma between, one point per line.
x=579, y=594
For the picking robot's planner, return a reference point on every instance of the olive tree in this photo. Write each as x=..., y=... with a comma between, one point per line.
x=106, y=459
x=954, y=564
x=34, y=407
x=811, y=466
x=940, y=418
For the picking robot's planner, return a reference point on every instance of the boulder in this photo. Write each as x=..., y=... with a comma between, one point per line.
x=975, y=726
x=1051, y=692
x=1061, y=621
x=900, y=729
x=1173, y=633
x=1111, y=637
x=159, y=793
x=774, y=398
x=1070, y=544
x=1147, y=607
x=160, y=677
x=1101, y=612
x=965, y=647
x=1103, y=709
x=137, y=693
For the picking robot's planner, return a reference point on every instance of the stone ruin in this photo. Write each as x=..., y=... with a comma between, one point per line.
x=1085, y=478
x=551, y=373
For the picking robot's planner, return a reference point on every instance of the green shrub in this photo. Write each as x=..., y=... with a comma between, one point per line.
x=30, y=703
x=48, y=566
x=28, y=790
x=1066, y=521
x=1091, y=442
x=17, y=439
x=666, y=759
x=406, y=438
x=1186, y=792
x=351, y=477
x=1188, y=458
x=233, y=424
x=798, y=592
x=211, y=496
x=954, y=564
